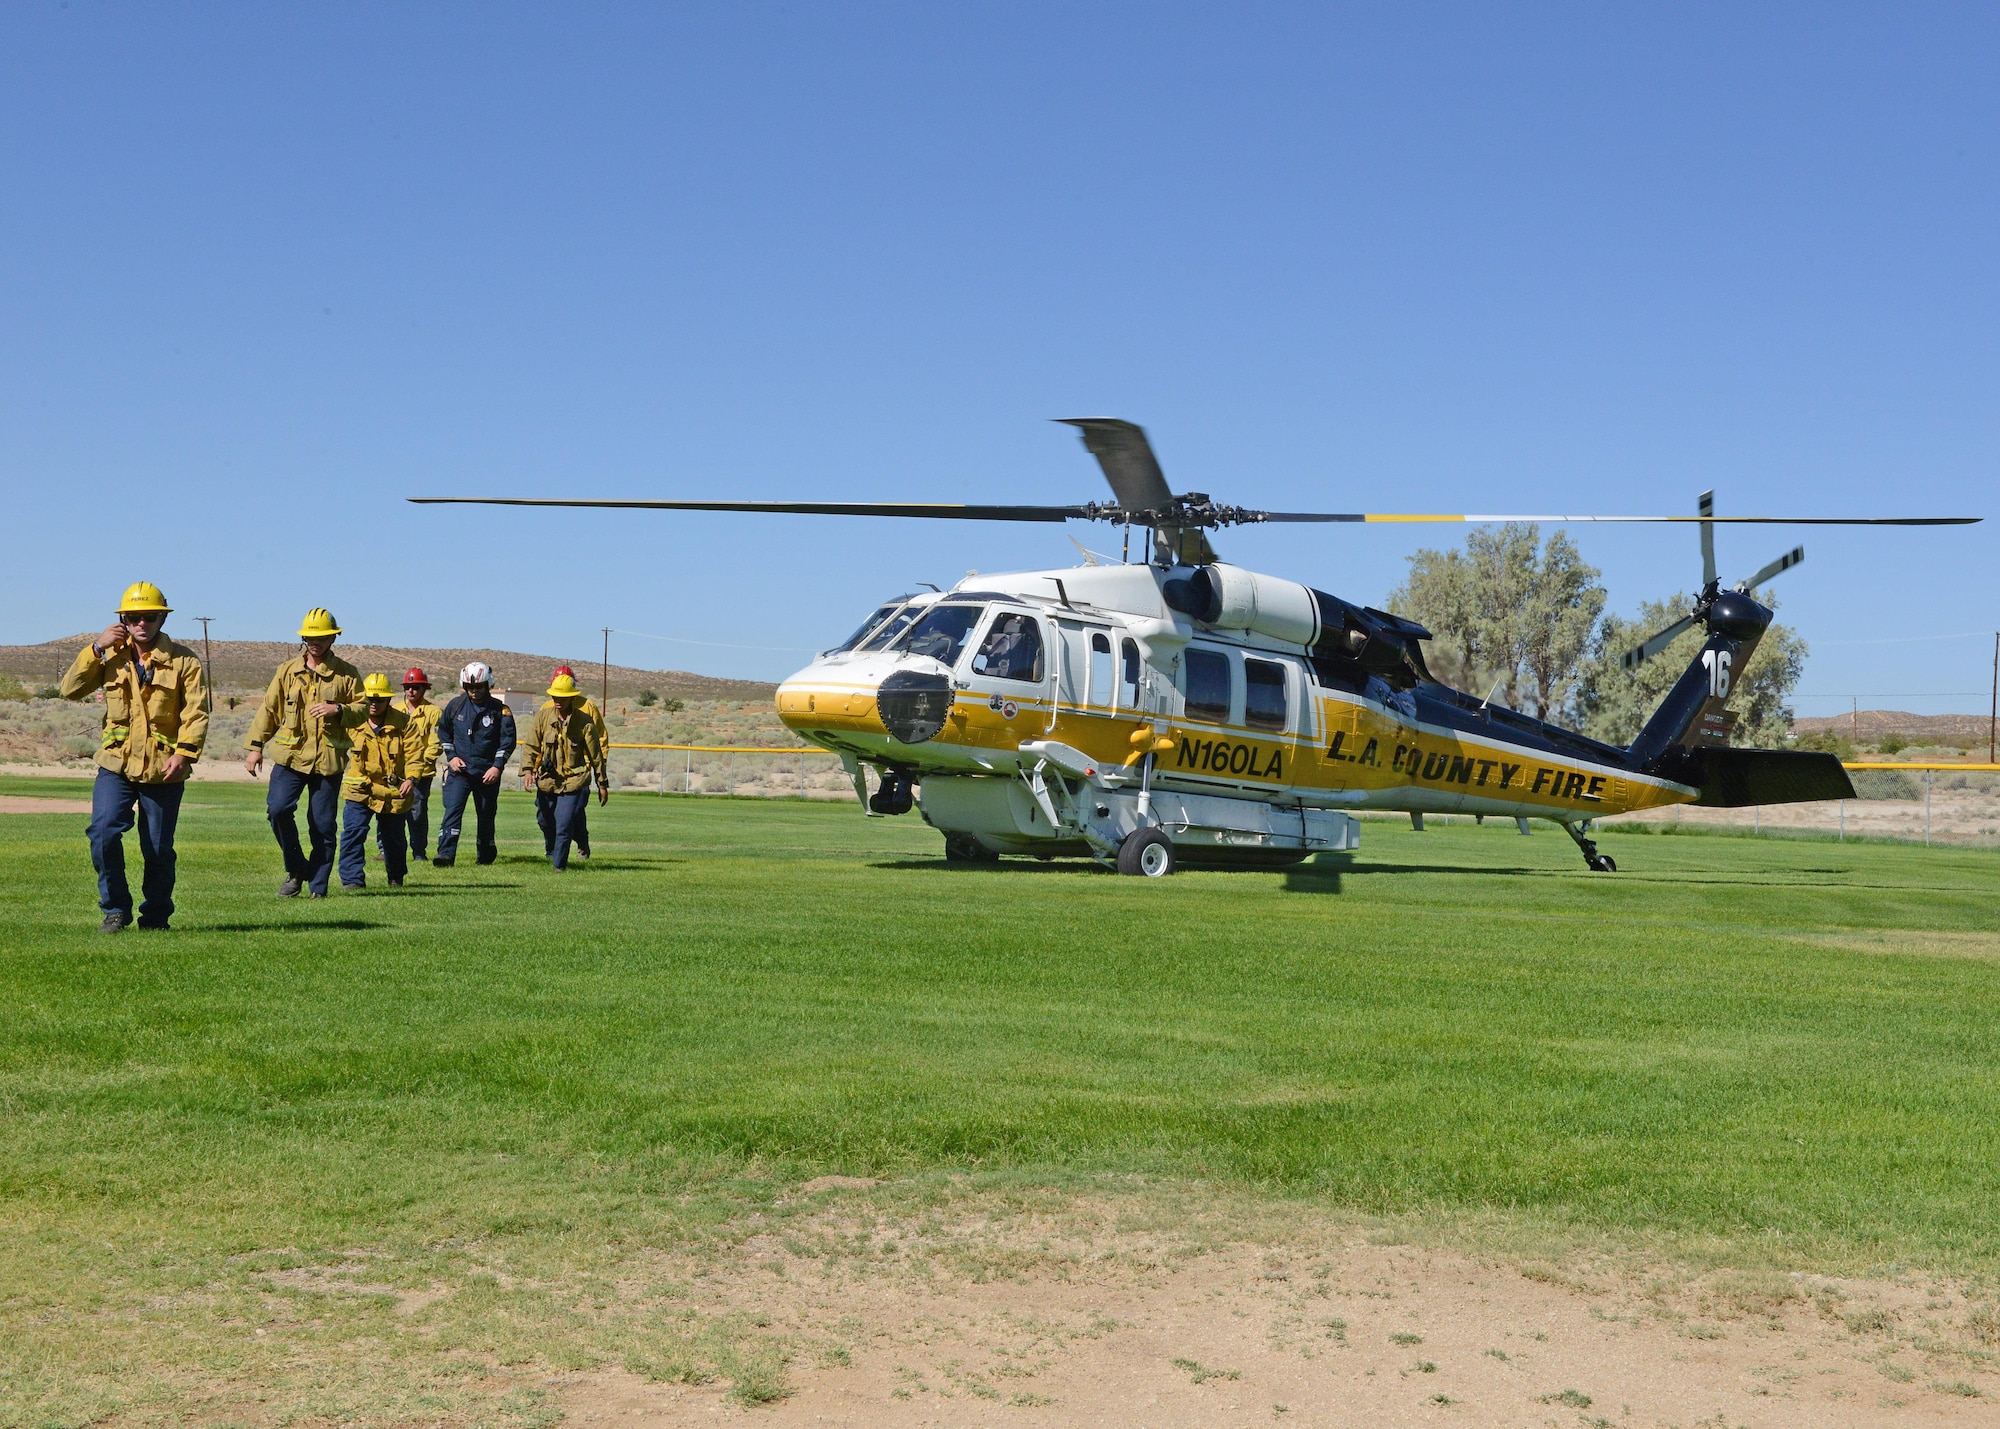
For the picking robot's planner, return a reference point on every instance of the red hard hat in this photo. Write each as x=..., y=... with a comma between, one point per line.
x=563, y=670
x=416, y=676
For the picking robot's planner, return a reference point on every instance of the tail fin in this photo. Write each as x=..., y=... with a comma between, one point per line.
x=1687, y=739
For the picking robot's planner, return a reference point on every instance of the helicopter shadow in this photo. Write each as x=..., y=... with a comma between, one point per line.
x=1016, y=866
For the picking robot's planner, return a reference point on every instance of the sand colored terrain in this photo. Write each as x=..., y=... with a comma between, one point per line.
x=1093, y=1313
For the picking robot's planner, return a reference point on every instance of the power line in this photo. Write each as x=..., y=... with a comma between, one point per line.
x=715, y=644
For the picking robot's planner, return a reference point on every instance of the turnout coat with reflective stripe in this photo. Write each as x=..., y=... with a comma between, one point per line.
x=298, y=740
x=562, y=752
x=379, y=762
x=154, y=707
x=421, y=749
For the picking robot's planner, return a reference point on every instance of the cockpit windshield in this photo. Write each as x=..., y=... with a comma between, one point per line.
x=895, y=625
x=882, y=613
x=941, y=632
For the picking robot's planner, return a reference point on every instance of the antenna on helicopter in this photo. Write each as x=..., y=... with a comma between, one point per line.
x=1710, y=587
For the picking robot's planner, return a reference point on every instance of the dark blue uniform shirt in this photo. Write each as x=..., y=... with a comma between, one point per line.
x=481, y=735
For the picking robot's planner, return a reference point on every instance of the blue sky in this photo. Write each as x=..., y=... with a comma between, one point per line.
x=269, y=269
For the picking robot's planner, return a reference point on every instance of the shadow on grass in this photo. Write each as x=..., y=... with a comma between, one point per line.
x=1005, y=865
x=328, y=925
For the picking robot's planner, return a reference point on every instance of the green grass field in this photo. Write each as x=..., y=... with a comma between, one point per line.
x=1789, y=1047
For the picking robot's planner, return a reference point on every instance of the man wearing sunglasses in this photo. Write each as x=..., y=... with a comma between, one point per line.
x=155, y=719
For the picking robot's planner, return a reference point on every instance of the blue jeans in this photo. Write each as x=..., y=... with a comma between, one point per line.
x=115, y=804
x=354, y=844
x=418, y=819
x=322, y=795
x=558, y=814
x=485, y=803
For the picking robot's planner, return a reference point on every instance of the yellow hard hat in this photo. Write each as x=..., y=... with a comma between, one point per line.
x=376, y=686
x=319, y=622
x=143, y=595
x=564, y=688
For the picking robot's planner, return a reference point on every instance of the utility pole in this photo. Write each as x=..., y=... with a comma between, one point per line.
x=1857, y=719
x=604, y=690
x=208, y=661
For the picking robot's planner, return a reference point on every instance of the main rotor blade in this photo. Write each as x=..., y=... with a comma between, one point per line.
x=1638, y=655
x=1126, y=456
x=1397, y=516
x=1778, y=567
x=938, y=511
x=1707, y=509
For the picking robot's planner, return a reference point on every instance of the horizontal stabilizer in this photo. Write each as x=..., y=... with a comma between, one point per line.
x=1737, y=778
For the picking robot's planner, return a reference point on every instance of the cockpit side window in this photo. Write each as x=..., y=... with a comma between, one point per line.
x=882, y=613
x=1012, y=649
x=941, y=632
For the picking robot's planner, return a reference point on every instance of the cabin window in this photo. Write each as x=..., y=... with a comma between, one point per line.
x=1207, y=674
x=1100, y=669
x=1263, y=694
x=1128, y=685
x=941, y=632
x=892, y=627
x=1013, y=648
x=881, y=614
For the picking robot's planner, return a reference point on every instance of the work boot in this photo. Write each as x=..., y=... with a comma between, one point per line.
x=114, y=921
x=395, y=883
x=317, y=893
x=443, y=862
x=349, y=888
x=290, y=887
x=152, y=925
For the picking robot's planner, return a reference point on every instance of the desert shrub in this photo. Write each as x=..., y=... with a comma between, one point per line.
x=1893, y=744
x=1886, y=784
x=1826, y=741
x=647, y=699
x=12, y=689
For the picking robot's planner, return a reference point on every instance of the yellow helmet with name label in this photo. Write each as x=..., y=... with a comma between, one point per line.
x=318, y=624
x=563, y=687
x=376, y=687
x=143, y=595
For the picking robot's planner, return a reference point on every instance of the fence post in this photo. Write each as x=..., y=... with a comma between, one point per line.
x=1756, y=820
x=1843, y=822
x=732, y=773
x=687, y=776
x=1927, y=808
x=802, y=774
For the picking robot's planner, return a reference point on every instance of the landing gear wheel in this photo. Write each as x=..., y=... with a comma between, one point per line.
x=894, y=796
x=960, y=849
x=1604, y=863
x=1148, y=854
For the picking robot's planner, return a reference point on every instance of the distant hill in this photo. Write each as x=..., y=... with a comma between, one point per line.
x=1871, y=725
x=246, y=665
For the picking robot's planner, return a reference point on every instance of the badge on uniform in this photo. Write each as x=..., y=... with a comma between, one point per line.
x=486, y=720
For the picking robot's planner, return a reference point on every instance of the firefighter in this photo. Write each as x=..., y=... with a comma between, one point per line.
x=475, y=738
x=582, y=830
x=377, y=786
x=559, y=759
x=421, y=754
x=302, y=714
x=155, y=719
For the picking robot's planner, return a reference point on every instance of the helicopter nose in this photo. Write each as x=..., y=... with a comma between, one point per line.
x=913, y=705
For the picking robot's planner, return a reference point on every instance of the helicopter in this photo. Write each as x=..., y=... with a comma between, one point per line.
x=1180, y=710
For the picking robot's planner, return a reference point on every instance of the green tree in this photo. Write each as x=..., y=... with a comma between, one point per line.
x=1612, y=703
x=1510, y=615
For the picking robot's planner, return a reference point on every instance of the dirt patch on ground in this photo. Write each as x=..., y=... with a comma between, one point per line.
x=1076, y=1316
x=27, y=804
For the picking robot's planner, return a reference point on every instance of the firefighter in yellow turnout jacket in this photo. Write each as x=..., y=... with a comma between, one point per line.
x=582, y=830
x=301, y=715
x=422, y=753
x=377, y=785
x=563, y=754
x=155, y=720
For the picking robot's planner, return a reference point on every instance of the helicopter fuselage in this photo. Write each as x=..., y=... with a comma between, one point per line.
x=1249, y=717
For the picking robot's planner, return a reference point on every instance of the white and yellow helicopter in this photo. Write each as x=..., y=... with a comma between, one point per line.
x=1180, y=709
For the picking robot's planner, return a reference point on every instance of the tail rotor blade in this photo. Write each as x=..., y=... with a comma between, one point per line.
x=1640, y=654
x=1707, y=540
x=1778, y=567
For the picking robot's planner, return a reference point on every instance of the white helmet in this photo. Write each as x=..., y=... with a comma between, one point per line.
x=477, y=673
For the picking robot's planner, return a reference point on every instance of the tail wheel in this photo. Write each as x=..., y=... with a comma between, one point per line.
x=1149, y=854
